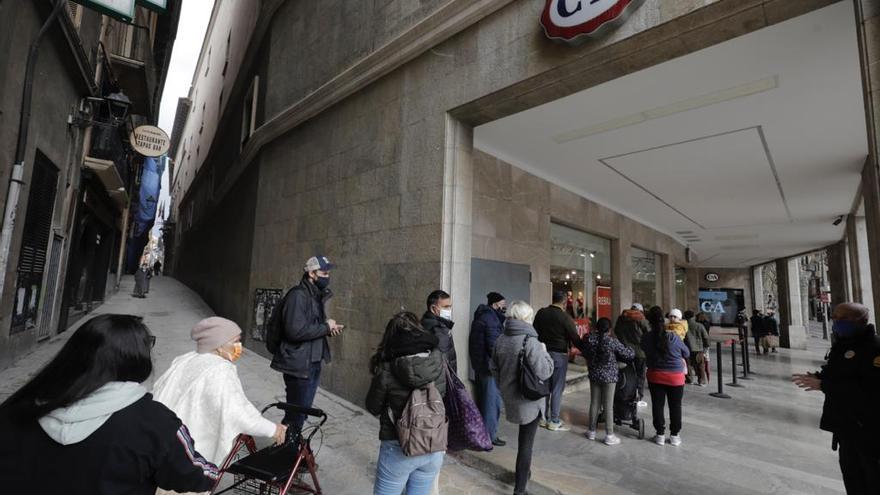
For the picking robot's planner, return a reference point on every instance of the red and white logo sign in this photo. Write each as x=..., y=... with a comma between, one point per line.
x=573, y=20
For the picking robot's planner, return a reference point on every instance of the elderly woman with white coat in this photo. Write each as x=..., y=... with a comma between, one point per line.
x=202, y=387
x=520, y=336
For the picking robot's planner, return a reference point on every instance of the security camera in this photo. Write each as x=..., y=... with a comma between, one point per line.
x=838, y=220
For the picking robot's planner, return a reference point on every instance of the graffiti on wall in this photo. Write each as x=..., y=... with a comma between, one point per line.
x=264, y=302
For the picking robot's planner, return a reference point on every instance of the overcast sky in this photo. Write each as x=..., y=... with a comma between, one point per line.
x=194, y=20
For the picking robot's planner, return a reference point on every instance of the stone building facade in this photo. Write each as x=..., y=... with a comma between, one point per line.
x=362, y=148
x=77, y=174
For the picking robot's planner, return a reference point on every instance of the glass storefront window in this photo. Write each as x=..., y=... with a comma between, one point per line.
x=646, y=278
x=681, y=300
x=581, y=266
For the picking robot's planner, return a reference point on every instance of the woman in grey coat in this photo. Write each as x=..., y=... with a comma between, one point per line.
x=505, y=368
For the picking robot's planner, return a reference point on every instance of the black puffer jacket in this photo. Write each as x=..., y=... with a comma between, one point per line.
x=395, y=380
x=442, y=328
x=304, y=320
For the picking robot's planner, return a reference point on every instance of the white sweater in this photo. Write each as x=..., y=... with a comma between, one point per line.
x=206, y=394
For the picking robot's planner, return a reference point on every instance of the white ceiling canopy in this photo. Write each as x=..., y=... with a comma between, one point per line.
x=747, y=151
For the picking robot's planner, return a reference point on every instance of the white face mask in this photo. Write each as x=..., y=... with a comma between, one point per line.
x=446, y=313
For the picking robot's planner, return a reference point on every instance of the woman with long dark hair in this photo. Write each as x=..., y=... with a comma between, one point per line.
x=603, y=352
x=407, y=359
x=85, y=424
x=666, y=356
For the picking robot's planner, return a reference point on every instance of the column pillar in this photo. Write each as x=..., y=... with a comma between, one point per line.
x=837, y=273
x=868, y=31
x=862, y=264
x=458, y=180
x=793, y=333
x=621, y=272
x=758, y=288
x=667, y=284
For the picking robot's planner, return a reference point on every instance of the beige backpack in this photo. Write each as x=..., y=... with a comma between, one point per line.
x=422, y=427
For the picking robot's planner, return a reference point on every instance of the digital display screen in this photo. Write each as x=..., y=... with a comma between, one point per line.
x=722, y=305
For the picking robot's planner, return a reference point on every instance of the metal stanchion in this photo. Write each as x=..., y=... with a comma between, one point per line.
x=745, y=357
x=733, y=364
x=720, y=376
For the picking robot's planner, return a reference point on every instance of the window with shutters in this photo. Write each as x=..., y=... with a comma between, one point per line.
x=34, y=244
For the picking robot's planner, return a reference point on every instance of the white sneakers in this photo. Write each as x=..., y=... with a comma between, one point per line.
x=611, y=440
x=557, y=426
x=674, y=440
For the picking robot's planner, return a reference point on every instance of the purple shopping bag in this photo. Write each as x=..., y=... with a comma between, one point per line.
x=466, y=428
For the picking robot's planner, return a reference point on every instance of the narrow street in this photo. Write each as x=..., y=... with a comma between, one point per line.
x=348, y=449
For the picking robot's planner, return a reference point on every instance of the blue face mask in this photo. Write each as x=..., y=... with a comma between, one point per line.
x=845, y=328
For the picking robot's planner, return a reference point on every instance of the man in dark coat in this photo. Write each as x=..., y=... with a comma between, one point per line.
x=304, y=344
x=556, y=329
x=487, y=326
x=697, y=340
x=850, y=380
x=438, y=320
x=757, y=322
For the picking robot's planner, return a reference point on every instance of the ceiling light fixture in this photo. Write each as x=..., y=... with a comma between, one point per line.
x=685, y=105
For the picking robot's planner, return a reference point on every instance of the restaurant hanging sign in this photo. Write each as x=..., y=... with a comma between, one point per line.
x=158, y=5
x=575, y=21
x=149, y=140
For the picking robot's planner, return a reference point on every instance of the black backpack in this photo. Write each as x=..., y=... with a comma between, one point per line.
x=531, y=387
x=275, y=327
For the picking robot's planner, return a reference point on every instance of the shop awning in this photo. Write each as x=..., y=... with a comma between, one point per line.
x=109, y=176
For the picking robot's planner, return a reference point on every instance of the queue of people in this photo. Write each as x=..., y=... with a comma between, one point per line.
x=62, y=427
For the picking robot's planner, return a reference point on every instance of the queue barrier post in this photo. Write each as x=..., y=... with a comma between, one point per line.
x=720, y=393
x=733, y=364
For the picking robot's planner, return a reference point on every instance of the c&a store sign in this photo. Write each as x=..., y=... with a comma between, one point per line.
x=574, y=21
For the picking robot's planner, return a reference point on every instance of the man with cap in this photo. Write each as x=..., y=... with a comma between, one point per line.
x=304, y=344
x=556, y=329
x=850, y=380
x=487, y=326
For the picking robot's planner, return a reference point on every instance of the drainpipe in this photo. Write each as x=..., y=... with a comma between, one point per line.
x=16, y=180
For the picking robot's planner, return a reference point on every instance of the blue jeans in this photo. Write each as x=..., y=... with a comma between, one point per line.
x=394, y=471
x=489, y=402
x=557, y=385
x=301, y=392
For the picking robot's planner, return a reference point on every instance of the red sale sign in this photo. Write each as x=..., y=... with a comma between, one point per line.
x=603, y=303
x=583, y=328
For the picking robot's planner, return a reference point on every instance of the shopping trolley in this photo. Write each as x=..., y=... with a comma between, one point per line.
x=273, y=470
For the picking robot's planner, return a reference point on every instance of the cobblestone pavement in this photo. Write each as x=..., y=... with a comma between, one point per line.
x=349, y=445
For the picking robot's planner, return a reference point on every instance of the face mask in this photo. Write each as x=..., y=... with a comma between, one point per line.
x=502, y=310
x=236, y=352
x=845, y=328
x=322, y=282
x=446, y=313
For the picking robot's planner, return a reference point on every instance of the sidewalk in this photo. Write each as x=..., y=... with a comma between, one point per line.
x=765, y=439
x=347, y=453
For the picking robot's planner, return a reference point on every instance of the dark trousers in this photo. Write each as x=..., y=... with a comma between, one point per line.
x=641, y=369
x=757, y=343
x=660, y=395
x=524, y=455
x=301, y=392
x=861, y=474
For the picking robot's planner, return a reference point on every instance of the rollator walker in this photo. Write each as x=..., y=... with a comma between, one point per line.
x=273, y=470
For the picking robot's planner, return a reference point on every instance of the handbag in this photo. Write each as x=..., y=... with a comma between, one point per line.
x=772, y=341
x=466, y=428
x=530, y=386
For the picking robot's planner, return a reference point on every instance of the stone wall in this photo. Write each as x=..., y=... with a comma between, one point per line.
x=512, y=213
x=369, y=179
